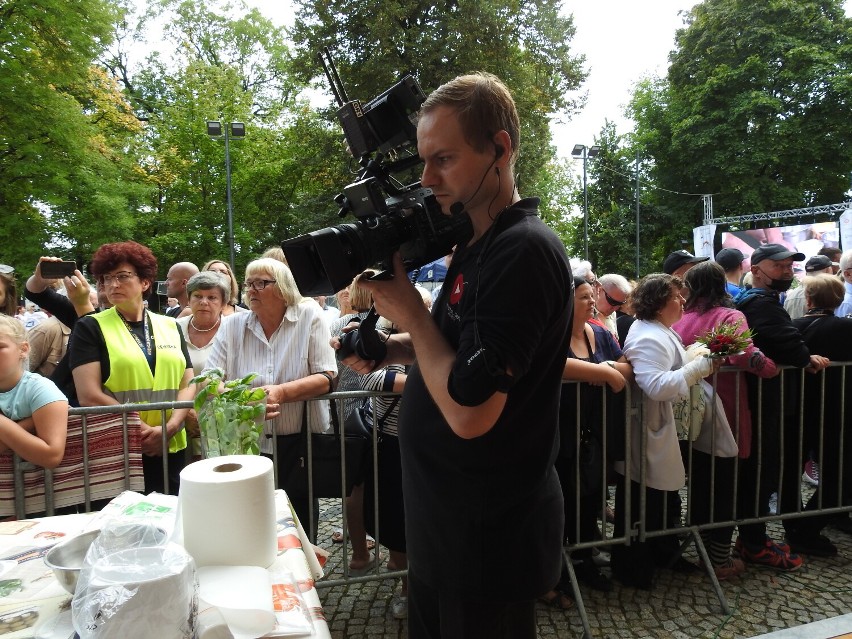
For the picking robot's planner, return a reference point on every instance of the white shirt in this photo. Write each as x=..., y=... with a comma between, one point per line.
x=33, y=319
x=845, y=307
x=197, y=354
x=299, y=347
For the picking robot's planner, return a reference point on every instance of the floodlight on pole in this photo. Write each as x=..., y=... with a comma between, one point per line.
x=581, y=150
x=226, y=131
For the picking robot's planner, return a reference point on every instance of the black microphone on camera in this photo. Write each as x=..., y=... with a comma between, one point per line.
x=456, y=208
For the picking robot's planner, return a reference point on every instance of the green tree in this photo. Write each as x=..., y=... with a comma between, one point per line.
x=754, y=109
x=525, y=43
x=227, y=69
x=66, y=163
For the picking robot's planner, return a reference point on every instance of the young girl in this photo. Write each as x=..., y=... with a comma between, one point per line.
x=33, y=411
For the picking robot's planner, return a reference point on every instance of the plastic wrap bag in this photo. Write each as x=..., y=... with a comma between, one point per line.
x=135, y=584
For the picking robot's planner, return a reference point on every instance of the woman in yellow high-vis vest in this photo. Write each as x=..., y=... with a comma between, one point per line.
x=128, y=355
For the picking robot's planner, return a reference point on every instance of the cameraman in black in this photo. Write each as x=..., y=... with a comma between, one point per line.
x=478, y=424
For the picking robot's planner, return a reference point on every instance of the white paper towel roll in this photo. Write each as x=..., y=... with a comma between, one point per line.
x=227, y=508
x=242, y=594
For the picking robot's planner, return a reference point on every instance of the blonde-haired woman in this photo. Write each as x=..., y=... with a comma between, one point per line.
x=286, y=341
x=8, y=291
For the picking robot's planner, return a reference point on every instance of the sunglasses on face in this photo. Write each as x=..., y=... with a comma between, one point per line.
x=613, y=302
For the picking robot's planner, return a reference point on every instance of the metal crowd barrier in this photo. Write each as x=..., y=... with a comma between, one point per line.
x=804, y=420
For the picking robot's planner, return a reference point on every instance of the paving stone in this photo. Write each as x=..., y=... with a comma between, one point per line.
x=680, y=606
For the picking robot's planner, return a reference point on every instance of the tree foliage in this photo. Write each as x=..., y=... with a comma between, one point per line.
x=65, y=134
x=754, y=109
x=525, y=43
x=229, y=69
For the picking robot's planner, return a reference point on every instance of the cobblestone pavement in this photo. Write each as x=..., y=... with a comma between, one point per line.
x=680, y=606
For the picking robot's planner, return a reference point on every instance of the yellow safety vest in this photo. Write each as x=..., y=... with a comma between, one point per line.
x=130, y=380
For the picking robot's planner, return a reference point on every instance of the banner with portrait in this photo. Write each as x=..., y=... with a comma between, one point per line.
x=801, y=238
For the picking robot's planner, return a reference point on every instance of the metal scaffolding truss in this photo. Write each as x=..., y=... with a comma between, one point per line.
x=810, y=211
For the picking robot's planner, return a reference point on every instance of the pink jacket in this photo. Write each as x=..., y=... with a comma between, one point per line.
x=695, y=324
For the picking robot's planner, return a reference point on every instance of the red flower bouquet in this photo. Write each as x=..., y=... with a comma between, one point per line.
x=727, y=339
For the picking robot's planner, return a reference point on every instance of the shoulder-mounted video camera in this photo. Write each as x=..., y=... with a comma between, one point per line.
x=382, y=135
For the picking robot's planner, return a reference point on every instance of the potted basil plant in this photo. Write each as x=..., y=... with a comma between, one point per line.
x=230, y=414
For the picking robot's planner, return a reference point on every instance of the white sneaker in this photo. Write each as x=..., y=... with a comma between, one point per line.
x=811, y=474
x=399, y=607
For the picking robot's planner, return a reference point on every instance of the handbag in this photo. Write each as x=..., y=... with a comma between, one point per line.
x=360, y=420
x=357, y=422
x=324, y=462
x=689, y=413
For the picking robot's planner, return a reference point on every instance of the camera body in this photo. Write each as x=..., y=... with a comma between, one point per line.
x=390, y=217
x=325, y=261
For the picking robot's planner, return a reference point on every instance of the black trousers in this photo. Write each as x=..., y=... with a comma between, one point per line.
x=637, y=563
x=721, y=507
x=152, y=471
x=301, y=504
x=443, y=614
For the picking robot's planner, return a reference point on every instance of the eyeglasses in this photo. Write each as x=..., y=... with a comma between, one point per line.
x=258, y=285
x=118, y=278
x=613, y=302
x=5, y=269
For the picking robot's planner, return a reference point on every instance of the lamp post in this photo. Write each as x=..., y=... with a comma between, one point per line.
x=227, y=130
x=581, y=150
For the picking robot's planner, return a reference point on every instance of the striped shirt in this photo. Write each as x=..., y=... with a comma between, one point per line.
x=299, y=347
x=386, y=408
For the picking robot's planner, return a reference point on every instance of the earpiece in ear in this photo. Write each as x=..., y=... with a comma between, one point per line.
x=500, y=150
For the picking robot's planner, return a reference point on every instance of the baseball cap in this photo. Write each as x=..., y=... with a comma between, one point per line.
x=818, y=263
x=729, y=258
x=774, y=252
x=678, y=258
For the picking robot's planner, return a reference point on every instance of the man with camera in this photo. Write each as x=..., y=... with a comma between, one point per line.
x=478, y=423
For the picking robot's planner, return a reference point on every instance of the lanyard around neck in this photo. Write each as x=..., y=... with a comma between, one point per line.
x=146, y=347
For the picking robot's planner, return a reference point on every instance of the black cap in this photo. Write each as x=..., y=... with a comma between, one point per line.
x=729, y=258
x=774, y=252
x=678, y=258
x=818, y=263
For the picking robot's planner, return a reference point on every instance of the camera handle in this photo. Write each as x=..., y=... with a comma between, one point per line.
x=364, y=341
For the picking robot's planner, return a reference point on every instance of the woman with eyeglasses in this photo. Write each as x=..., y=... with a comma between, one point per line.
x=126, y=354
x=232, y=302
x=663, y=373
x=286, y=341
x=8, y=291
x=208, y=293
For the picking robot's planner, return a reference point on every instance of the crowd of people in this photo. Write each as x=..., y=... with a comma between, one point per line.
x=511, y=424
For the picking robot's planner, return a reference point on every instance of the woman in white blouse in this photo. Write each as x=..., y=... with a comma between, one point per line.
x=663, y=374
x=285, y=340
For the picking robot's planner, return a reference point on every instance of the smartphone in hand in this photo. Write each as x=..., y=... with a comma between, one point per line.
x=54, y=270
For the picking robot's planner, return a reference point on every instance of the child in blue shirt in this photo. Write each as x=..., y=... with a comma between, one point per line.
x=33, y=411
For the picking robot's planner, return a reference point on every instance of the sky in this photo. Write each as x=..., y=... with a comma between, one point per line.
x=623, y=40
